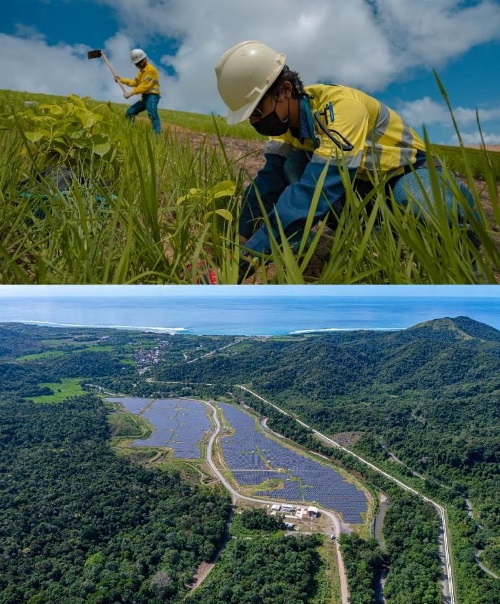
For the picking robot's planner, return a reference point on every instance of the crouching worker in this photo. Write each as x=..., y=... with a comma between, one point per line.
x=147, y=84
x=310, y=128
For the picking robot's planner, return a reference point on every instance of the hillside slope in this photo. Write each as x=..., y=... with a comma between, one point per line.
x=421, y=403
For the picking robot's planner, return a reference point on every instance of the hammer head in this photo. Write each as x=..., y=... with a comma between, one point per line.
x=94, y=54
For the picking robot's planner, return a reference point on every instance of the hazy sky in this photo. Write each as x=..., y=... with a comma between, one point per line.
x=367, y=291
x=385, y=47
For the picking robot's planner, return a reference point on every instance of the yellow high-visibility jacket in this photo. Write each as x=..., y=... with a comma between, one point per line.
x=379, y=137
x=339, y=126
x=146, y=82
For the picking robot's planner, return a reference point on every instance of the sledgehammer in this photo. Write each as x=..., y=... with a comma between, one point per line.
x=96, y=54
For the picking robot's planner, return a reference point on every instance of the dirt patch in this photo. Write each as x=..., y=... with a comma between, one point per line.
x=160, y=456
x=248, y=156
x=347, y=439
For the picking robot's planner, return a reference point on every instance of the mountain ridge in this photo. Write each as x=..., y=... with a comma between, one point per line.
x=462, y=325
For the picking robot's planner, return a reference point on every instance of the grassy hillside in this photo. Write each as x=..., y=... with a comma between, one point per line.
x=87, y=198
x=459, y=160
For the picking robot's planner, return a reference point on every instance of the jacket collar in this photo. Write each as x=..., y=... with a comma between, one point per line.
x=306, y=127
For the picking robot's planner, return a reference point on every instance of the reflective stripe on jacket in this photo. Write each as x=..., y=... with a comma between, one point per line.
x=146, y=82
x=367, y=135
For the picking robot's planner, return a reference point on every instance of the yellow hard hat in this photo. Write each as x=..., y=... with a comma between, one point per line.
x=244, y=73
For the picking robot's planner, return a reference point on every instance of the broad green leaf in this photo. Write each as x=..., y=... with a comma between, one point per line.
x=225, y=188
x=101, y=149
x=78, y=100
x=226, y=214
x=192, y=193
x=87, y=119
x=34, y=137
x=54, y=109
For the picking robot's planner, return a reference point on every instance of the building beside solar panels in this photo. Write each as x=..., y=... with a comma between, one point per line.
x=300, y=513
x=255, y=459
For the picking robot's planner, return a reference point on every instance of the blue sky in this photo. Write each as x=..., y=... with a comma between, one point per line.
x=387, y=48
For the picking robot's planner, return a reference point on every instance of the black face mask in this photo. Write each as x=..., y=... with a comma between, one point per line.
x=271, y=125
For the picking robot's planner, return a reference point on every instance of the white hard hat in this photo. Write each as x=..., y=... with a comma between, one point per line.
x=137, y=55
x=244, y=74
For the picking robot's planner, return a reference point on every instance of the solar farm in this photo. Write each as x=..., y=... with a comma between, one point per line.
x=133, y=405
x=179, y=424
x=253, y=458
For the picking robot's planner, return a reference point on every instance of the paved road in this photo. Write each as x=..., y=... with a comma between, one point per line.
x=483, y=567
x=448, y=583
x=235, y=495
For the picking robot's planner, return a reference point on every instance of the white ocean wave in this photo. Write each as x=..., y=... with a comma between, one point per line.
x=171, y=330
x=322, y=329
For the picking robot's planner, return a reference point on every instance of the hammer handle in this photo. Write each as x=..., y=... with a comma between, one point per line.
x=108, y=64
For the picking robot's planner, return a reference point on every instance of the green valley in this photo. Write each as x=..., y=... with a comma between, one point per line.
x=83, y=519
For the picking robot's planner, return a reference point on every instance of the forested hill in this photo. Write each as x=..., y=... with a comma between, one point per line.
x=459, y=327
x=445, y=353
x=442, y=353
x=427, y=396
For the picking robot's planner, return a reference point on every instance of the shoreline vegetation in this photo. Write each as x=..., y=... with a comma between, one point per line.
x=87, y=198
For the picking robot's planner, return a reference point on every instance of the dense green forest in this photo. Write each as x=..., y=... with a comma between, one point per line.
x=363, y=562
x=427, y=396
x=79, y=524
x=421, y=403
x=274, y=571
x=260, y=565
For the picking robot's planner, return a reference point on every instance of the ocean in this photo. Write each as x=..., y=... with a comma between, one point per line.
x=239, y=314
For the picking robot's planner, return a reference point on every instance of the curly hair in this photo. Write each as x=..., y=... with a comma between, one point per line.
x=287, y=75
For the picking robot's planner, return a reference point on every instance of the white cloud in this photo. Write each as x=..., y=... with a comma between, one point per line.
x=431, y=32
x=468, y=116
x=359, y=43
x=475, y=138
x=368, y=44
x=426, y=112
x=61, y=70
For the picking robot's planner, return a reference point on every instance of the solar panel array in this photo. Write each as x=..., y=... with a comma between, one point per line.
x=179, y=424
x=250, y=477
x=133, y=405
x=254, y=458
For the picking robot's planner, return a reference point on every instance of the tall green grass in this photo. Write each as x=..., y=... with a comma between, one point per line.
x=146, y=209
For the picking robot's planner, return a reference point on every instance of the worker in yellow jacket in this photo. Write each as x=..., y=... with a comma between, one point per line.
x=310, y=128
x=147, y=84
